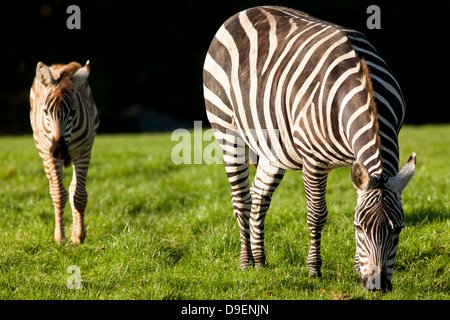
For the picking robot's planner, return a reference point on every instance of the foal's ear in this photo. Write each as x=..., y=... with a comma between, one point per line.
x=44, y=75
x=402, y=178
x=80, y=76
x=361, y=178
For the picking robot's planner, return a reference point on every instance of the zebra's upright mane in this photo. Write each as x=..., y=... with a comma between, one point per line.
x=63, y=74
x=369, y=87
x=373, y=111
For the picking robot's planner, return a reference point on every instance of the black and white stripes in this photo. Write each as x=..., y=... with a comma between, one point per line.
x=64, y=121
x=298, y=92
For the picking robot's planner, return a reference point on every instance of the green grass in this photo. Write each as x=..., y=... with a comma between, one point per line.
x=156, y=230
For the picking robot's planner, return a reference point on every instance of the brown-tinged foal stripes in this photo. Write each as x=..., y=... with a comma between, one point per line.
x=64, y=121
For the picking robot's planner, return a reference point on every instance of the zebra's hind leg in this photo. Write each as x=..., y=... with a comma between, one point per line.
x=267, y=179
x=315, y=181
x=78, y=197
x=236, y=161
x=242, y=202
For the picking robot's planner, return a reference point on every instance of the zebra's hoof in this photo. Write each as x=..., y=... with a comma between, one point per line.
x=78, y=239
x=60, y=238
x=246, y=262
x=315, y=274
x=243, y=267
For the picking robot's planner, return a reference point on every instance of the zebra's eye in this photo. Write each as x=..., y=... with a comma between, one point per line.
x=397, y=230
x=45, y=112
x=359, y=229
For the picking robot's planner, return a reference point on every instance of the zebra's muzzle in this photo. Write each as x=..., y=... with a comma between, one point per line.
x=377, y=281
x=59, y=149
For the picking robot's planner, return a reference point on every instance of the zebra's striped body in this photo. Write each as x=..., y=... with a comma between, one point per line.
x=64, y=121
x=297, y=91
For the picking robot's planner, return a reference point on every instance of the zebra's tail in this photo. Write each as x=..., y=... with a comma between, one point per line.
x=67, y=161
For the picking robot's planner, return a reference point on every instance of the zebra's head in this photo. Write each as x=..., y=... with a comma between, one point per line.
x=60, y=104
x=378, y=221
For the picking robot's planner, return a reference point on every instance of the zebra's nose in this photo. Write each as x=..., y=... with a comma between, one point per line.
x=59, y=148
x=376, y=281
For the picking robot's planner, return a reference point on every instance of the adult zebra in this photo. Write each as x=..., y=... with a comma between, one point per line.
x=297, y=91
x=64, y=121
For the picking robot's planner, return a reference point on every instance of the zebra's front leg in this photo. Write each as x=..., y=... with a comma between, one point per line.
x=78, y=198
x=58, y=193
x=315, y=182
x=267, y=179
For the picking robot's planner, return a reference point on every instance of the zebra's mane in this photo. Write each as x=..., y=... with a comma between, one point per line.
x=372, y=105
x=369, y=88
x=63, y=74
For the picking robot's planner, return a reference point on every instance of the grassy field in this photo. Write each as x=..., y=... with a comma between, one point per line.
x=157, y=230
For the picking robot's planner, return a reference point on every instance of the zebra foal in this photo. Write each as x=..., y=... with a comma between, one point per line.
x=306, y=94
x=64, y=120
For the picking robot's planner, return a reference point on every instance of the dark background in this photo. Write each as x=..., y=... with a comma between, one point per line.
x=146, y=59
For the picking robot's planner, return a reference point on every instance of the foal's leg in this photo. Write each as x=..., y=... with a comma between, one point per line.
x=53, y=170
x=79, y=196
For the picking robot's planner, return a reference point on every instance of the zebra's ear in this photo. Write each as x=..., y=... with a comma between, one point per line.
x=80, y=76
x=44, y=75
x=402, y=178
x=361, y=178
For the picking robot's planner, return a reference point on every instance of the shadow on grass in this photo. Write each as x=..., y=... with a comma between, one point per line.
x=425, y=214
x=422, y=256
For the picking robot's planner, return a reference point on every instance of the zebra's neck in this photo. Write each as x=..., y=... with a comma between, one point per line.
x=344, y=129
x=366, y=140
x=388, y=97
